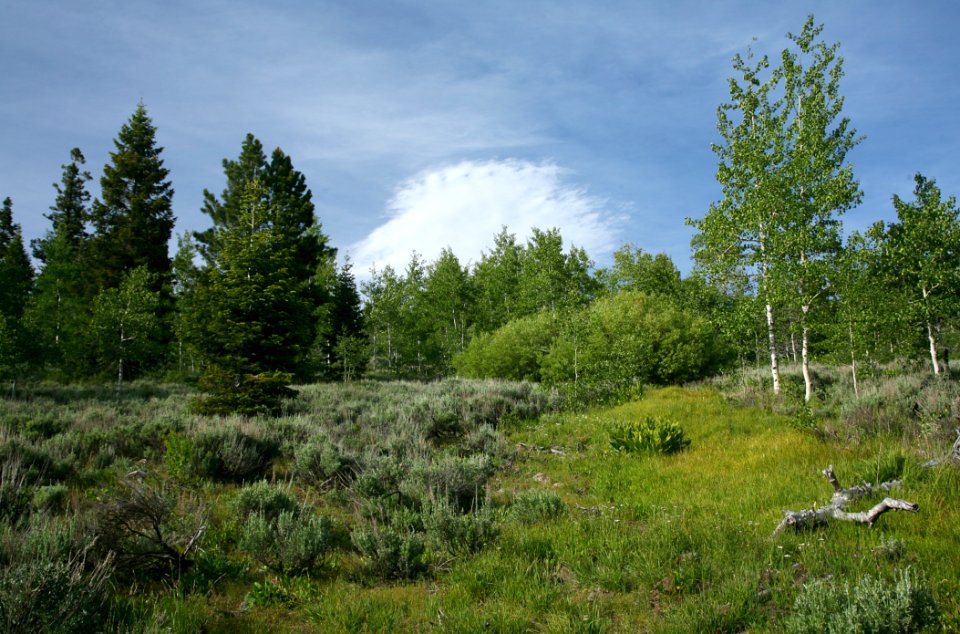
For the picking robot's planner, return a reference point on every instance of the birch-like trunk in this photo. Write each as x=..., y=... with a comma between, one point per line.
x=805, y=356
x=771, y=323
x=772, y=339
x=853, y=362
x=931, y=336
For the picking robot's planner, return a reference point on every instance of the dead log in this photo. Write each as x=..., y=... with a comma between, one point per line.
x=819, y=515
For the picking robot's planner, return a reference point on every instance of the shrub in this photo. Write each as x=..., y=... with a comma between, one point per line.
x=319, y=461
x=238, y=393
x=872, y=606
x=51, y=498
x=457, y=533
x=53, y=596
x=461, y=480
x=290, y=543
x=536, y=505
x=221, y=454
x=391, y=553
x=265, y=498
x=140, y=523
x=651, y=434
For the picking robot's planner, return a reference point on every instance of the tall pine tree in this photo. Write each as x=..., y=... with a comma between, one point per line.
x=286, y=199
x=16, y=282
x=133, y=219
x=60, y=309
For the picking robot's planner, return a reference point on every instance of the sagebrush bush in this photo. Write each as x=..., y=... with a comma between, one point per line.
x=871, y=606
x=320, y=462
x=460, y=480
x=450, y=531
x=292, y=542
x=227, y=454
x=536, y=505
x=650, y=434
x=390, y=553
x=48, y=581
x=270, y=500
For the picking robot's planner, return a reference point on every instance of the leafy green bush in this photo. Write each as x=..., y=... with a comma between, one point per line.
x=456, y=533
x=290, y=543
x=651, y=434
x=537, y=505
x=871, y=606
x=391, y=553
x=265, y=498
x=319, y=461
x=222, y=454
x=238, y=393
x=51, y=498
x=461, y=480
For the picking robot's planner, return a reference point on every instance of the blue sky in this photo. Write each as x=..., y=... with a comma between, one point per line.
x=421, y=125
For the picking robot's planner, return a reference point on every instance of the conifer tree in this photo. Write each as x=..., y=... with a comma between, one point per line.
x=16, y=272
x=133, y=218
x=286, y=198
x=16, y=282
x=60, y=308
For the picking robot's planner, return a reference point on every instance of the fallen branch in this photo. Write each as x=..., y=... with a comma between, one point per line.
x=817, y=516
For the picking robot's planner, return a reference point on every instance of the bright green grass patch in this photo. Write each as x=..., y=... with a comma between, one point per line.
x=685, y=538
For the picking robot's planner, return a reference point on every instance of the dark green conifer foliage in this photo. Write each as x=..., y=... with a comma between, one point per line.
x=246, y=312
x=70, y=212
x=16, y=282
x=16, y=272
x=287, y=200
x=60, y=307
x=133, y=220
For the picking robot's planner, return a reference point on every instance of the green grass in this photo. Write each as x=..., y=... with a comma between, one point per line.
x=639, y=542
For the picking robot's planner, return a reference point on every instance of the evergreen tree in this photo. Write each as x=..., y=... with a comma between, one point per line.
x=16, y=272
x=246, y=314
x=16, y=282
x=133, y=220
x=286, y=198
x=60, y=308
x=70, y=212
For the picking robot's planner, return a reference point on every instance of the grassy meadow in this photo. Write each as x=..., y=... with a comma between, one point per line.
x=466, y=506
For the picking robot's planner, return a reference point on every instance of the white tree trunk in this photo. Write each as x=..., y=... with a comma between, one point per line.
x=772, y=340
x=805, y=356
x=933, y=349
x=853, y=362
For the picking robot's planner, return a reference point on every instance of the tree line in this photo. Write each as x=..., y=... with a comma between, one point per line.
x=258, y=301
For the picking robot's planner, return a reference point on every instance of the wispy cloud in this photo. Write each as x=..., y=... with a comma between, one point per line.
x=463, y=206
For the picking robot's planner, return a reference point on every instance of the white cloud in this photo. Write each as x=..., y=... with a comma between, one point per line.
x=463, y=206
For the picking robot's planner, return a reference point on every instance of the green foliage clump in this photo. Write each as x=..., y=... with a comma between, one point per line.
x=241, y=393
x=290, y=543
x=265, y=498
x=460, y=480
x=537, y=505
x=319, y=461
x=391, y=552
x=51, y=498
x=871, y=606
x=650, y=434
x=220, y=454
x=450, y=531
x=49, y=582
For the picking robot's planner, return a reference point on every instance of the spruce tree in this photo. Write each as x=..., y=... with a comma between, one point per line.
x=133, y=219
x=16, y=272
x=60, y=308
x=286, y=199
x=16, y=281
x=246, y=316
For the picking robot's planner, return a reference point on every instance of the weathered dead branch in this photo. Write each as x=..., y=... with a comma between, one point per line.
x=819, y=515
x=951, y=458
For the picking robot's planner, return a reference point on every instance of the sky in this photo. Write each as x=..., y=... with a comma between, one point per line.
x=421, y=125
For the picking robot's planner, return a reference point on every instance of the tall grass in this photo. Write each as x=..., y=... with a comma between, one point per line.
x=465, y=506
